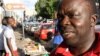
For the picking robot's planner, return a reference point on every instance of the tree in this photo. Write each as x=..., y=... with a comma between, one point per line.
x=46, y=8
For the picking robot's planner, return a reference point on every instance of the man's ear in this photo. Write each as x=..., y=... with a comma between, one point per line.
x=94, y=19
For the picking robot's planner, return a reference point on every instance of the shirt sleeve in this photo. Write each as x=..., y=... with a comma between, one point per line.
x=8, y=33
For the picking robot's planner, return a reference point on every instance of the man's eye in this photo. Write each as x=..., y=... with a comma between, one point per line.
x=70, y=15
x=76, y=14
x=60, y=16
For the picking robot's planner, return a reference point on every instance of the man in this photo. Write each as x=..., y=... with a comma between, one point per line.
x=1, y=39
x=76, y=23
x=9, y=37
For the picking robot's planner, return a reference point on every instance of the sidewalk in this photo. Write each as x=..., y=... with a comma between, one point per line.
x=21, y=41
x=26, y=42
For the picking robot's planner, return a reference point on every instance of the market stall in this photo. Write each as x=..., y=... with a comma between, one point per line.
x=35, y=49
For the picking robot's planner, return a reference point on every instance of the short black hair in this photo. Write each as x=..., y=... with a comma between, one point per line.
x=91, y=5
x=5, y=20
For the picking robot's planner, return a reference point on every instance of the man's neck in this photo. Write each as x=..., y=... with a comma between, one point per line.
x=83, y=47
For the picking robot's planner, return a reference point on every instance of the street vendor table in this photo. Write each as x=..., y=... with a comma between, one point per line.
x=40, y=51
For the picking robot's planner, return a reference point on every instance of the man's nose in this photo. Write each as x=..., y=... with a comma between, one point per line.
x=66, y=21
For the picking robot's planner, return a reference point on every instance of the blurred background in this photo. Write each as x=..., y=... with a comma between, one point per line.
x=36, y=21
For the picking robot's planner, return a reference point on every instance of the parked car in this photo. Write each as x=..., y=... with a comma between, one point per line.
x=45, y=29
x=31, y=27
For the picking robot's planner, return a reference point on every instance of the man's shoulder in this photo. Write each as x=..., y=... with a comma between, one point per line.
x=97, y=47
x=98, y=36
x=60, y=49
x=4, y=27
x=8, y=30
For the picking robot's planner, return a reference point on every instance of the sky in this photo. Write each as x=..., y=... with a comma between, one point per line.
x=29, y=4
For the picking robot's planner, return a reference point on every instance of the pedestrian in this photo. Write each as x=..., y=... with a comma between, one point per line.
x=9, y=37
x=50, y=36
x=2, y=51
x=57, y=39
x=76, y=24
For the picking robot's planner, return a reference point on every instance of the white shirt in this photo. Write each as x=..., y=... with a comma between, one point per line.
x=9, y=34
x=1, y=37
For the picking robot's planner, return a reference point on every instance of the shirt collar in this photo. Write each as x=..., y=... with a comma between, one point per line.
x=9, y=26
x=97, y=47
x=62, y=48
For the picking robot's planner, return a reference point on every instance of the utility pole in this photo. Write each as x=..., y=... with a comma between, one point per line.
x=23, y=24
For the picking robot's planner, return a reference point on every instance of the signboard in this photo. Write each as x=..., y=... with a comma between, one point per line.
x=11, y=6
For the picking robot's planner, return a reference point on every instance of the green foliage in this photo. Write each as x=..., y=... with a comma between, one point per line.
x=46, y=8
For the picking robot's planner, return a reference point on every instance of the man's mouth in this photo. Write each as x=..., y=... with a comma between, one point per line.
x=68, y=31
x=68, y=34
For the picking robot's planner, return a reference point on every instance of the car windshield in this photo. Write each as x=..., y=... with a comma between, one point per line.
x=35, y=25
x=48, y=26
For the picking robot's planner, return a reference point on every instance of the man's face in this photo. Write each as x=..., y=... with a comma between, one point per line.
x=12, y=22
x=74, y=22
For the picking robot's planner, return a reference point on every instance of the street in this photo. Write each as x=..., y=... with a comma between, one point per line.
x=27, y=41
x=21, y=41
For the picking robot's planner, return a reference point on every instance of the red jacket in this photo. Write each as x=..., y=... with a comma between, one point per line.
x=62, y=49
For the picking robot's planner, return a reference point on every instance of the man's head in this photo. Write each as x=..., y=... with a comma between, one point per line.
x=9, y=21
x=76, y=20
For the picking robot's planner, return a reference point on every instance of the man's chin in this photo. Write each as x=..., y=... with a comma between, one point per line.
x=71, y=41
x=70, y=35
